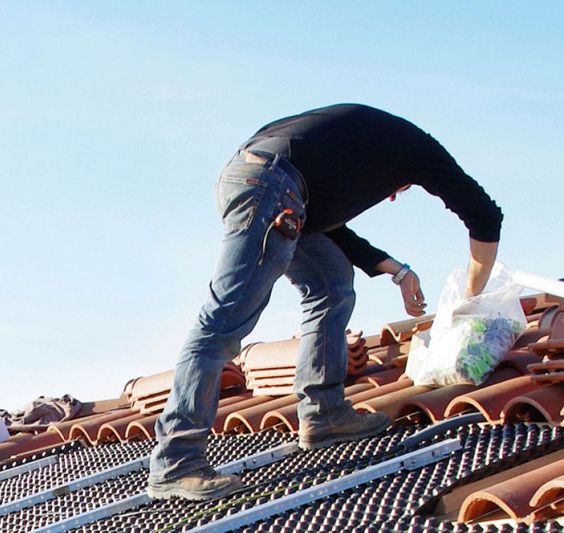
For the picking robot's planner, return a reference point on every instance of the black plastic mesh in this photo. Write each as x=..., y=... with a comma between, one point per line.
x=387, y=504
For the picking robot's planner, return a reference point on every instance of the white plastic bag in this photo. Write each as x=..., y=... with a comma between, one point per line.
x=470, y=336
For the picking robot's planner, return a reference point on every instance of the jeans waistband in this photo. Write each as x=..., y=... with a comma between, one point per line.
x=276, y=160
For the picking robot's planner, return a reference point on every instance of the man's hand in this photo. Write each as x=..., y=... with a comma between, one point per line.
x=413, y=298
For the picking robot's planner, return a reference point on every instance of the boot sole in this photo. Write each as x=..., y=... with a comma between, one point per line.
x=166, y=493
x=342, y=437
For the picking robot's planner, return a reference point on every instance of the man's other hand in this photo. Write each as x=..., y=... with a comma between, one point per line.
x=413, y=298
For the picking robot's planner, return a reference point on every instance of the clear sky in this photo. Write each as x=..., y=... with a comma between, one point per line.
x=115, y=118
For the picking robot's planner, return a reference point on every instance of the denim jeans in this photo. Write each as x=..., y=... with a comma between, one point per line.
x=251, y=259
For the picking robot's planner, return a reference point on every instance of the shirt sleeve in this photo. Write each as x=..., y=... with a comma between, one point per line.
x=440, y=175
x=358, y=250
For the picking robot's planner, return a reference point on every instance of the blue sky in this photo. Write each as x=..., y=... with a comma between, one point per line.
x=116, y=118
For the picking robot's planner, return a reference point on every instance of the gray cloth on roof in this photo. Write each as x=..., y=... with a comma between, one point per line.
x=38, y=414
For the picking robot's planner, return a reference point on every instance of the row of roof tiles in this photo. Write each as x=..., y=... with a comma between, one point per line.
x=528, y=385
x=524, y=387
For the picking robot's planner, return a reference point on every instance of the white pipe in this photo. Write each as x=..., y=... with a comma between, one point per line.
x=531, y=281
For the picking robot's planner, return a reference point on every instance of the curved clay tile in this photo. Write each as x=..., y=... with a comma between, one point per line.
x=382, y=378
x=391, y=403
x=551, y=321
x=546, y=403
x=551, y=371
x=150, y=385
x=374, y=392
x=248, y=420
x=274, y=391
x=155, y=405
x=355, y=341
x=230, y=378
x=432, y=404
x=490, y=400
x=64, y=428
x=115, y=430
x=236, y=398
x=358, y=388
x=533, y=320
x=278, y=354
x=386, y=354
x=240, y=358
x=557, y=326
x=399, y=362
x=372, y=367
x=529, y=336
x=141, y=429
x=402, y=330
x=528, y=304
x=271, y=381
x=286, y=418
x=357, y=367
x=548, y=500
x=519, y=359
x=372, y=341
x=273, y=372
x=547, y=317
x=24, y=443
x=359, y=350
x=511, y=497
x=161, y=383
x=225, y=409
x=88, y=428
x=555, y=377
x=547, y=366
x=356, y=357
x=547, y=346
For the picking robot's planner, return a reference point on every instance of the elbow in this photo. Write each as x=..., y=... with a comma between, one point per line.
x=487, y=228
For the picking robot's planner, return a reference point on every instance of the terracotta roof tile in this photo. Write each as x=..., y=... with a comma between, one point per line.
x=491, y=400
x=23, y=443
x=403, y=330
x=542, y=404
x=449, y=504
x=391, y=403
x=512, y=496
x=548, y=500
x=89, y=428
x=434, y=403
x=141, y=429
x=249, y=420
x=116, y=430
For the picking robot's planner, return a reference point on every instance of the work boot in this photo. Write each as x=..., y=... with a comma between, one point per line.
x=351, y=426
x=202, y=484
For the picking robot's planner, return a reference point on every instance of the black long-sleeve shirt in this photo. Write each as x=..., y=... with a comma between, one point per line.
x=353, y=156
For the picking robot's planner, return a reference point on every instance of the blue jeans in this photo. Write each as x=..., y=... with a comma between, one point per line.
x=249, y=196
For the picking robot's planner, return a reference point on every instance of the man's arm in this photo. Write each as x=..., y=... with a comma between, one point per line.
x=358, y=250
x=482, y=259
x=410, y=287
x=375, y=262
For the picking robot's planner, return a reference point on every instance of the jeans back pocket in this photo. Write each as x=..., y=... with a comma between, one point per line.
x=237, y=200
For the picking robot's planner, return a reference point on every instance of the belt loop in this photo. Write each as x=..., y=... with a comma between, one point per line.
x=274, y=162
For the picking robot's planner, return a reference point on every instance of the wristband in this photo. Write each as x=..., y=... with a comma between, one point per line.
x=405, y=268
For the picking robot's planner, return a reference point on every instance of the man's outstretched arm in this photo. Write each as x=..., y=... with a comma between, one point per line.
x=482, y=259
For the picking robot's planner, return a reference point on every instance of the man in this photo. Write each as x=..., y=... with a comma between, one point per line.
x=284, y=200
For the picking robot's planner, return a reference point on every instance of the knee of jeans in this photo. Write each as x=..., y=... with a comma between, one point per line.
x=343, y=301
x=335, y=304
x=211, y=344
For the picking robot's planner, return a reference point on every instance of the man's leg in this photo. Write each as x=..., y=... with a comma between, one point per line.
x=324, y=277
x=249, y=197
